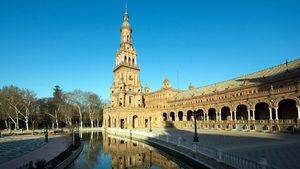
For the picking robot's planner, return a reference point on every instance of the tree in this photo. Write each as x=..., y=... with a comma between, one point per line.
x=43, y=108
x=55, y=105
x=28, y=103
x=93, y=107
x=78, y=99
x=12, y=100
x=5, y=109
x=68, y=113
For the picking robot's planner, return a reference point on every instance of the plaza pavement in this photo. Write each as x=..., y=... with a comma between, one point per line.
x=280, y=151
x=16, y=151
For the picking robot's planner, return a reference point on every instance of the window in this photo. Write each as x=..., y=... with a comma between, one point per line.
x=130, y=99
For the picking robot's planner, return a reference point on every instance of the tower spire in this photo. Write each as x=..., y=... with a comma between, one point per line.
x=125, y=16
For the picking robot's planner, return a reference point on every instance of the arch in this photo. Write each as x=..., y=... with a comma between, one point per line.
x=276, y=104
x=247, y=104
x=133, y=61
x=189, y=115
x=172, y=116
x=262, y=111
x=225, y=113
x=134, y=121
x=165, y=116
x=180, y=115
x=287, y=109
x=125, y=58
x=241, y=112
x=129, y=60
x=200, y=114
x=212, y=113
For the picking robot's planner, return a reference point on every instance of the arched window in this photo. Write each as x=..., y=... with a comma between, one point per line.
x=133, y=61
x=125, y=59
x=129, y=60
x=165, y=117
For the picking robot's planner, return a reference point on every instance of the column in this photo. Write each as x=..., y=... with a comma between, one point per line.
x=276, y=113
x=253, y=114
x=249, y=115
x=208, y=116
x=231, y=118
x=204, y=116
x=270, y=110
x=234, y=115
x=184, y=117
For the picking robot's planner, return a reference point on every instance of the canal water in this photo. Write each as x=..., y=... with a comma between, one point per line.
x=102, y=151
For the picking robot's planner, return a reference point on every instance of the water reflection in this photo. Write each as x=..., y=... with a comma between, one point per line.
x=104, y=151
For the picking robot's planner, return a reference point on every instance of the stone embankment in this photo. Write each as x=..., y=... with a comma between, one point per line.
x=190, y=152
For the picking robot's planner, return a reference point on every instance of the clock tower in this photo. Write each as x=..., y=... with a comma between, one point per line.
x=126, y=90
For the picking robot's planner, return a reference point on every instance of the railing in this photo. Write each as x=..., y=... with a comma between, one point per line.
x=218, y=155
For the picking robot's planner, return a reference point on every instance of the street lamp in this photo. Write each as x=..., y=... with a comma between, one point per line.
x=150, y=124
x=196, y=138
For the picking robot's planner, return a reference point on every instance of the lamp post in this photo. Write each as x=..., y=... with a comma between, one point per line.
x=150, y=124
x=196, y=138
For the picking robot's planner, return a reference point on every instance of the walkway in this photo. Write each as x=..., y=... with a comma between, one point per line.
x=279, y=151
x=19, y=150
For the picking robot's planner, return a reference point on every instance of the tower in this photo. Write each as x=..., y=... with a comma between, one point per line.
x=126, y=90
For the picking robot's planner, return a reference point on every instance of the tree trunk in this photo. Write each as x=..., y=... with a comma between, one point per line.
x=56, y=121
x=9, y=127
x=16, y=126
x=6, y=124
x=33, y=127
x=26, y=121
x=92, y=124
x=52, y=125
x=80, y=118
x=17, y=122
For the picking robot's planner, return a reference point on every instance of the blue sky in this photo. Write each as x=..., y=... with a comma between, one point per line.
x=72, y=43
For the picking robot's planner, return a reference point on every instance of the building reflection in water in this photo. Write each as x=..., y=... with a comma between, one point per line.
x=104, y=151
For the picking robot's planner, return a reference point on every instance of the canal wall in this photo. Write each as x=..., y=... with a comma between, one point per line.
x=186, y=155
x=190, y=152
x=70, y=159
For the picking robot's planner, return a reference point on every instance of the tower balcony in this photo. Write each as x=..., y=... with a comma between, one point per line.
x=125, y=64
